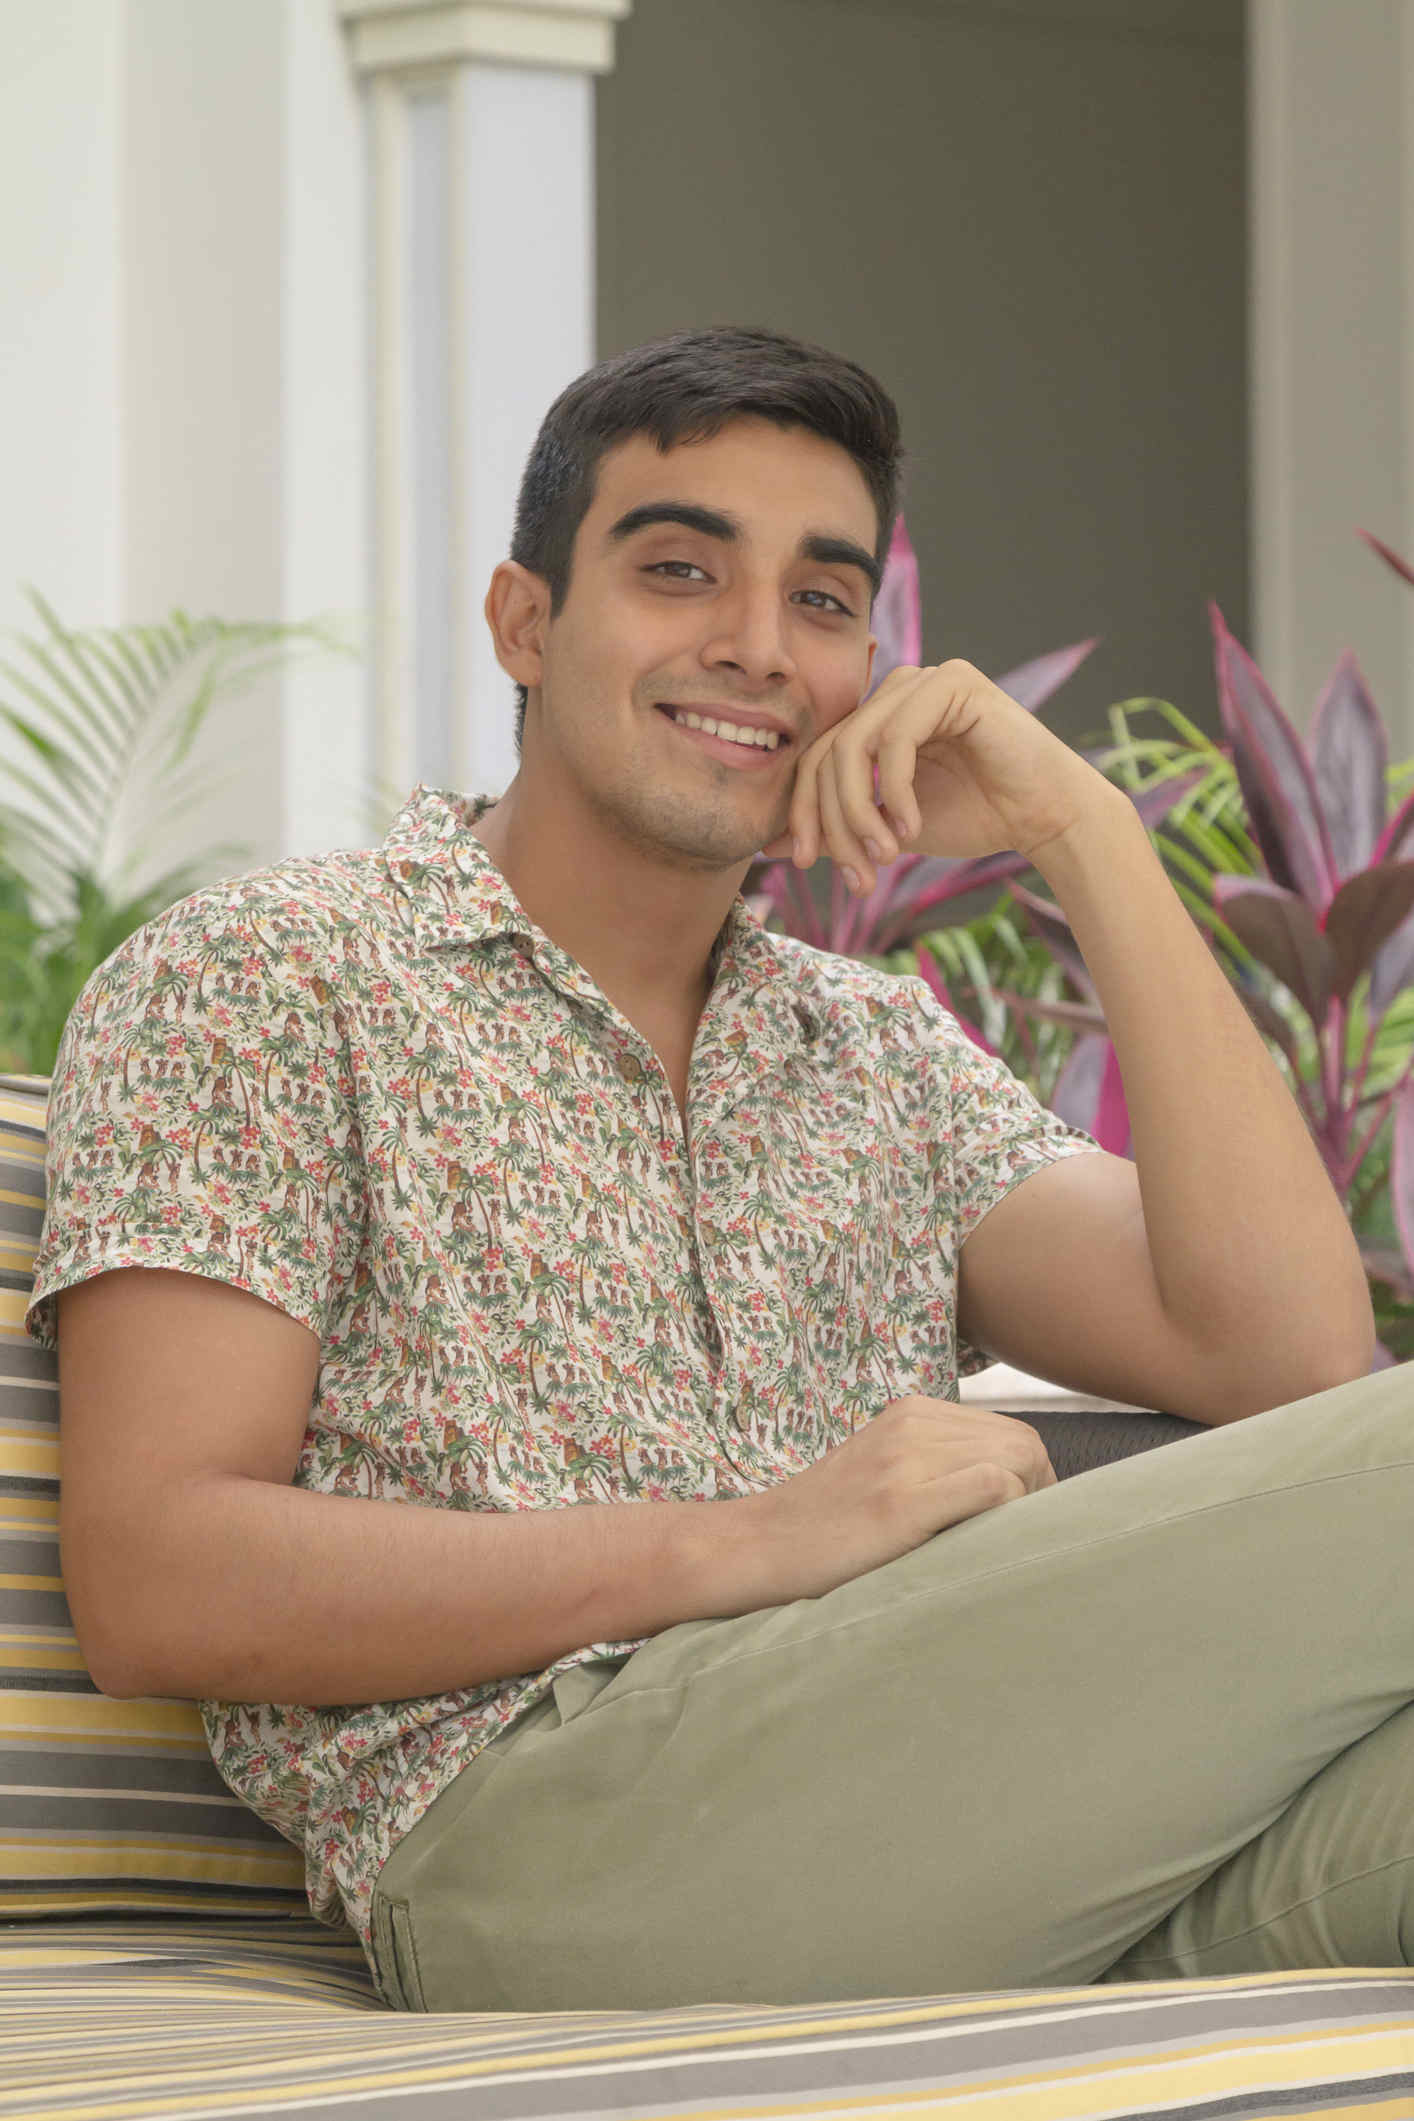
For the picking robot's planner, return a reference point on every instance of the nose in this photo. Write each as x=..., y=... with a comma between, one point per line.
x=750, y=637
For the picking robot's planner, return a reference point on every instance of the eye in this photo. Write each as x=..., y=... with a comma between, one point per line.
x=827, y=594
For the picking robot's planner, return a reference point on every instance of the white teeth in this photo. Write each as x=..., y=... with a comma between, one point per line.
x=765, y=739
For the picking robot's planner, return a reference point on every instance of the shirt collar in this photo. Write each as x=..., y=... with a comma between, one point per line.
x=454, y=896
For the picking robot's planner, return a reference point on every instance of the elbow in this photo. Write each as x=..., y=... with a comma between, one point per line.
x=1364, y=1358
x=1260, y=1386
x=1359, y=1348
x=1345, y=1350
x=1315, y=1378
x=108, y=1675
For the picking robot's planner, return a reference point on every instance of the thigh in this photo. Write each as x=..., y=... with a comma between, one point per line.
x=999, y=1760
x=1329, y=1883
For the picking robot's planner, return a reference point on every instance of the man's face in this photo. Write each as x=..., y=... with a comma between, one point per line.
x=669, y=613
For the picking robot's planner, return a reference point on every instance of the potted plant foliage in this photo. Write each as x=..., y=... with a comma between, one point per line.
x=1297, y=862
x=104, y=697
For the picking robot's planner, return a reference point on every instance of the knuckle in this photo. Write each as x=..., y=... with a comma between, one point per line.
x=1002, y=1484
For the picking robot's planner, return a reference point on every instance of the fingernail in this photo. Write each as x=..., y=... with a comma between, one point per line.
x=797, y=848
x=851, y=879
x=873, y=848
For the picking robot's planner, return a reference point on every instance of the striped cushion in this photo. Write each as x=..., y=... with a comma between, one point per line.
x=114, y=1809
x=241, y=2019
x=106, y=1806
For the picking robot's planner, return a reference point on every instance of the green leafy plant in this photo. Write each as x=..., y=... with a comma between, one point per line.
x=105, y=696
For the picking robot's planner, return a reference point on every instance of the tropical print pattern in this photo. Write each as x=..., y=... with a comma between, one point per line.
x=367, y=1088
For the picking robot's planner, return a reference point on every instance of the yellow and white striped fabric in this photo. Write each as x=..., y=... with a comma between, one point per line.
x=106, y=1806
x=140, y=2018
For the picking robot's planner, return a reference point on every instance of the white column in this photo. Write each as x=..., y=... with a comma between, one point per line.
x=332, y=795
x=60, y=129
x=183, y=416
x=481, y=160
x=1331, y=375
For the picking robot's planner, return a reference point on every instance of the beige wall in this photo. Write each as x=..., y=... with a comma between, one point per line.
x=1332, y=301
x=1027, y=217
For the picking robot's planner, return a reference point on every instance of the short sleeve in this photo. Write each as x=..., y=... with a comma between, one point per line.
x=201, y=1114
x=999, y=1133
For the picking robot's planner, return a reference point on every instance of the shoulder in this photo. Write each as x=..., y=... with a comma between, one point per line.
x=303, y=909
x=236, y=958
x=893, y=1014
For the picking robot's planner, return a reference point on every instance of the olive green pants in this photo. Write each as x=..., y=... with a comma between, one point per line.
x=1154, y=1721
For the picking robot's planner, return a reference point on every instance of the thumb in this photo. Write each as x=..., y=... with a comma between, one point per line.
x=779, y=849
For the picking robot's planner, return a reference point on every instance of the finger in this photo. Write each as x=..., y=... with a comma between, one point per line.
x=804, y=825
x=865, y=819
x=847, y=851
x=898, y=762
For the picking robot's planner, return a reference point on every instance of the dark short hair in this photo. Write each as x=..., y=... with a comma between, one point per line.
x=686, y=387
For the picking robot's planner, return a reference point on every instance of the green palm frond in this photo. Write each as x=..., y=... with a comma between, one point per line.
x=103, y=692
x=86, y=703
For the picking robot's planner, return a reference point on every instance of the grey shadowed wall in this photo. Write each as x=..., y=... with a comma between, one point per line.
x=1028, y=217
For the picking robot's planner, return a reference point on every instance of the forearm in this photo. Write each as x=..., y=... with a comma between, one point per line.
x=255, y=1592
x=1247, y=1235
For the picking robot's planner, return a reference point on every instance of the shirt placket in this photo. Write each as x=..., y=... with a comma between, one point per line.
x=638, y=1064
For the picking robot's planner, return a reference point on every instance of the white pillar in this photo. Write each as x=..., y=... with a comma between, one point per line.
x=183, y=419
x=60, y=129
x=481, y=158
x=1331, y=372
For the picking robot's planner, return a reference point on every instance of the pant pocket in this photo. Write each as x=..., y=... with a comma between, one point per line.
x=395, y=1954
x=575, y=1689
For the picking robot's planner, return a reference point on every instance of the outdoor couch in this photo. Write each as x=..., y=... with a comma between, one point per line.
x=158, y=1957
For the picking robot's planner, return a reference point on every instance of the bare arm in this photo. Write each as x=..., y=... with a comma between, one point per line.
x=264, y=1593
x=195, y=1570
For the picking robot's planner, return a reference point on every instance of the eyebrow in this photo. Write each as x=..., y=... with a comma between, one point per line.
x=824, y=546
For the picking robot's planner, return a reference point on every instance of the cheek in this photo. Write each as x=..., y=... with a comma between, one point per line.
x=838, y=709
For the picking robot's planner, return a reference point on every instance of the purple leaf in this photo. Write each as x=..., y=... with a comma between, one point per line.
x=1076, y=1016
x=1031, y=684
x=1267, y=1019
x=1280, y=930
x=1283, y=806
x=1399, y=566
x=1365, y=912
x=1111, y=1129
x=1401, y=1170
x=1076, y=1096
x=1350, y=760
x=1050, y=923
x=896, y=619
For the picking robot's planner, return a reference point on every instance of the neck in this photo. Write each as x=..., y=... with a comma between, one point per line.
x=643, y=930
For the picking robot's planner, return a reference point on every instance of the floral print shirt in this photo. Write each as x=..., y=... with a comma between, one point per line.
x=366, y=1087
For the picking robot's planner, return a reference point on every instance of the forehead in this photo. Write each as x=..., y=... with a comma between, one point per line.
x=752, y=466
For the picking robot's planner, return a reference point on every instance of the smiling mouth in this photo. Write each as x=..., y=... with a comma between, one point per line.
x=734, y=743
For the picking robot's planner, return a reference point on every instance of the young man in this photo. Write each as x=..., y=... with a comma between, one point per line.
x=513, y=1307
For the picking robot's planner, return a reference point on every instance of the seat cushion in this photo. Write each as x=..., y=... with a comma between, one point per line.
x=106, y=1806
x=242, y=2017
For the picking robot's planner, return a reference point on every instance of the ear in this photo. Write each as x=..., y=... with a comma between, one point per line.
x=517, y=610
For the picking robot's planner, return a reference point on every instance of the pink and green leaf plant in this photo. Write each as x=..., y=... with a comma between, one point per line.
x=1336, y=902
